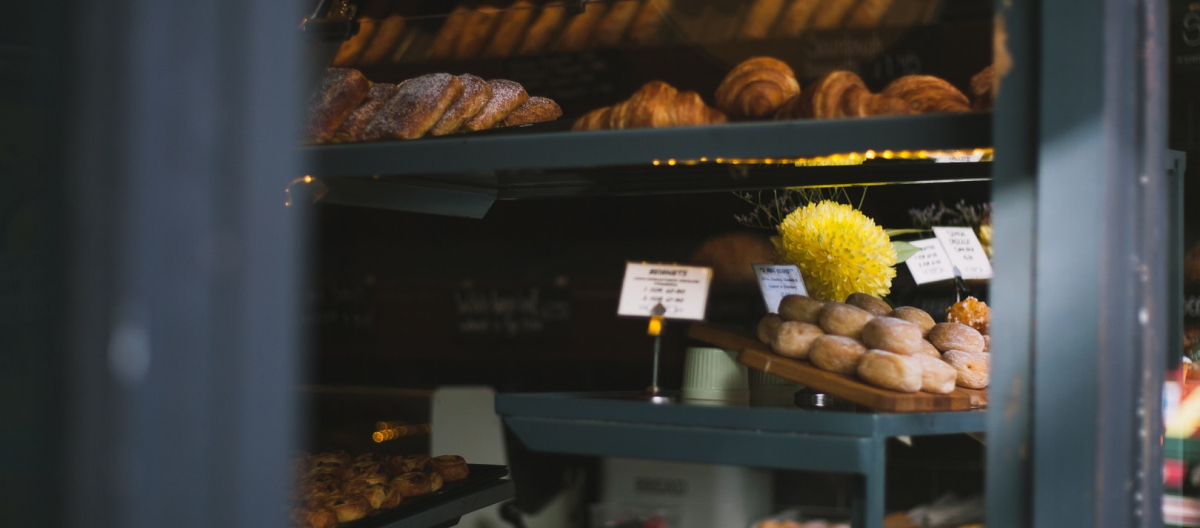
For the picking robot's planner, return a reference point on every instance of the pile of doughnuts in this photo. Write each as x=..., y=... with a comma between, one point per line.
x=901, y=349
x=335, y=488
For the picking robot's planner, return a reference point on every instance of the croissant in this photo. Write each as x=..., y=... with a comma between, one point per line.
x=656, y=105
x=476, y=32
x=795, y=18
x=544, y=30
x=447, y=37
x=868, y=14
x=756, y=88
x=926, y=93
x=983, y=89
x=840, y=94
x=648, y=28
x=511, y=28
x=760, y=19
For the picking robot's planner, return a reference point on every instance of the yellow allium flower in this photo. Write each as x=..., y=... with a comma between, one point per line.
x=838, y=249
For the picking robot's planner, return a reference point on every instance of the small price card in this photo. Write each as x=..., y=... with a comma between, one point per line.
x=777, y=282
x=931, y=264
x=959, y=157
x=682, y=290
x=966, y=253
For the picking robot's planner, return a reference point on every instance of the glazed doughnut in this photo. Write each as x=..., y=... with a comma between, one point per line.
x=842, y=319
x=793, y=339
x=870, y=303
x=451, y=467
x=800, y=309
x=937, y=376
x=348, y=508
x=956, y=336
x=768, y=327
x=916, y=316
x=417, y=483
x=891, y=371
x=928, y=349
x=973, y=369
x=836, y=354
x=893, y=335
x=971, y=312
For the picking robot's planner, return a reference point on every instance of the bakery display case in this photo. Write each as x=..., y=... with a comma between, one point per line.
x=469, y=181
x=728, y=124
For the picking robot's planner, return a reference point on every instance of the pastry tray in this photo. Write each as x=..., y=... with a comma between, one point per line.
x=484, y=487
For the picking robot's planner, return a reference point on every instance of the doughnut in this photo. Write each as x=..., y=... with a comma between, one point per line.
x=971, y=312
x=956, y=336
x=768, y=327
x=972, y=367
x=417, y=483
x=842, y=319
x=348, y=508
x=916, y=316
x=836, y=354
x=893, y=335
x=800, y=309
x=928, y=349
x=890, y=371
x=793, y=339
x=451, y=467
x=870, y=303
x=937, y=376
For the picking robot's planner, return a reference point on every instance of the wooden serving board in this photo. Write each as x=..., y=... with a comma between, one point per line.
x=756, y=355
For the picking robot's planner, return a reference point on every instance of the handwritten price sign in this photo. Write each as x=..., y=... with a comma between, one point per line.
x=965, y=251
x=682, y=290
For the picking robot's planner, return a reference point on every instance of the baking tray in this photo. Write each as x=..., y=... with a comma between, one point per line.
x=485, y=486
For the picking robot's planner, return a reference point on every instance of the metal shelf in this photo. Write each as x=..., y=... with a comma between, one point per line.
x=548, y=147
x=464, y=175
x=783, y=438
x=447, y=511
